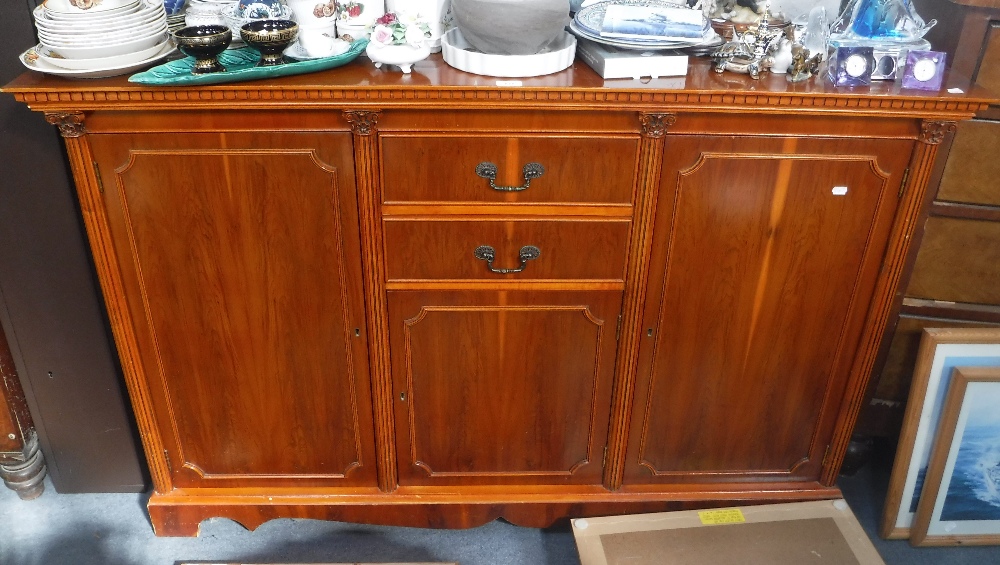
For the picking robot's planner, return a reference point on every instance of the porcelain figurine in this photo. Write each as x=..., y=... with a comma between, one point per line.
x=398, y=39
x=437, y=14
x=782, y=58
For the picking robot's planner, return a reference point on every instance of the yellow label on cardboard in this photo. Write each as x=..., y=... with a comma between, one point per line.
x=724, y=516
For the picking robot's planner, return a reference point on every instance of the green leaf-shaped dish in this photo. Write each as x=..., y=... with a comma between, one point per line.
x=241, y=65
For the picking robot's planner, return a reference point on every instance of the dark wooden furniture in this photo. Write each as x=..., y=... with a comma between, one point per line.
x=50, y=303
x=22, y=466
x=956, y=276
x=689, y=301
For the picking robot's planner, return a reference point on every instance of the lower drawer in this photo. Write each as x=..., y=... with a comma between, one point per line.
x=446, y=249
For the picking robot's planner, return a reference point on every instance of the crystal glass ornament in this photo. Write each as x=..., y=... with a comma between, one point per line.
x=886, y=20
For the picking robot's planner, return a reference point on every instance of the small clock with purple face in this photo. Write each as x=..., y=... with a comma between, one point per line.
x=852, y=66
x=924, y=70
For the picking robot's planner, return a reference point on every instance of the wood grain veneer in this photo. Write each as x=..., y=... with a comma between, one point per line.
x=305, y=332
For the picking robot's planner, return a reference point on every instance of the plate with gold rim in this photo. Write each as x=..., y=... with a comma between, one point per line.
x=32, y=60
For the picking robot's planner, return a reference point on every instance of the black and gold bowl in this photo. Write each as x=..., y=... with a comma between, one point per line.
x=204, y=43
x=270, y=37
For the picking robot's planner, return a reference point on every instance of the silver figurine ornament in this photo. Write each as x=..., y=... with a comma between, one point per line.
x=751, y=51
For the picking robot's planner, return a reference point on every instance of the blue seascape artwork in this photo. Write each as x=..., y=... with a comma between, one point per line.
x=948, y=365
x=974, y=490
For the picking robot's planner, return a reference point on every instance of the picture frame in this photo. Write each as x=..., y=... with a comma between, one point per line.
x=960, y=502
x=940, y=351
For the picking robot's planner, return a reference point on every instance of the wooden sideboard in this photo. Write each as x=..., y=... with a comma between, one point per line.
x=437, y=299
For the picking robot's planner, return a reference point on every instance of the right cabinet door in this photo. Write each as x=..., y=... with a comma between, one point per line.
x=765, y=260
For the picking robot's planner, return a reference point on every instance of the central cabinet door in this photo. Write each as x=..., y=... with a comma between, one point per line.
x=502, y=387
x=766, y=257
x=241, y=257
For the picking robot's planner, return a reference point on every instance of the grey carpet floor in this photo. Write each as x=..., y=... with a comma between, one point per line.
x=113, y=529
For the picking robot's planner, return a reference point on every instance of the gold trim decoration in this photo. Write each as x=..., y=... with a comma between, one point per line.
x=70, y=125
x=656, y=125
x=362, y=122
x=933, y=133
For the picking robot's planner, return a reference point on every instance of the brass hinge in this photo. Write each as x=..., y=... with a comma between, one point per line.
x=604, y=459
x=166, y=456
x=826, y=455
x=100, y=181
x=902, y=185
x=618, y=329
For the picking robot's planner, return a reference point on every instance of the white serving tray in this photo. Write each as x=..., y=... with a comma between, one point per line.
x=459, y=54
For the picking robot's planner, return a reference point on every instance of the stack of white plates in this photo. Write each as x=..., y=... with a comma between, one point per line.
x=589, y=20
x=108, y=37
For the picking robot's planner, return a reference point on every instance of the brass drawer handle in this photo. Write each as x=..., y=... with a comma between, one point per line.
x=531, y=171
x=488, y=254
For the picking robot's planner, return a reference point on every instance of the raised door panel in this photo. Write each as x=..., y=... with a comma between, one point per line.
x=240, y=254
x=502, y=387
x=767, y=255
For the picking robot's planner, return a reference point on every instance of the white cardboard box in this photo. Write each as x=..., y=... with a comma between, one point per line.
x=818, y=533
x=611, y=62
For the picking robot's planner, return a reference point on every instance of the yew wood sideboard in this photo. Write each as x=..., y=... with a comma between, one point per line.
x=439, y=299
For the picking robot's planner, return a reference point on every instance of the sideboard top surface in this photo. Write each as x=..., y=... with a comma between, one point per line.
x=434, y=84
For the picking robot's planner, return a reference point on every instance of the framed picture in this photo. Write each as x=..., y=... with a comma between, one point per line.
x=960, y=503
x=941, y=350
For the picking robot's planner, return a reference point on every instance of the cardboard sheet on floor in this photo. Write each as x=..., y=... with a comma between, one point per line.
x=819, y=532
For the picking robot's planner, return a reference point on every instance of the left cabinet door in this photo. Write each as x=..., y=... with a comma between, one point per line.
x=240, y=260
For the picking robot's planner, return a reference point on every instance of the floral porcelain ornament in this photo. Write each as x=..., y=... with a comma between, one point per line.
x=399, y=39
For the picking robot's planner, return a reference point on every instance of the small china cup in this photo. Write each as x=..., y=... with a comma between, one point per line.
x=270, y=37
x=204, y=43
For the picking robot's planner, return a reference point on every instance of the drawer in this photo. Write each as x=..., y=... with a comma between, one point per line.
x=988, y=74
x=445, y=249
x=972, y=169
x=444, y=168
x=958, y=261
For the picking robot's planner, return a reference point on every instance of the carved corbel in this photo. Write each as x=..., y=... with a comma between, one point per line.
x=933, y=133
x=70, y=125
x=656, y=125
x=362, y=122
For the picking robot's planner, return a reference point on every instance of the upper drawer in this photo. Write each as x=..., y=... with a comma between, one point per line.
x=444, y=168
x=419, y=249
x=973, y=169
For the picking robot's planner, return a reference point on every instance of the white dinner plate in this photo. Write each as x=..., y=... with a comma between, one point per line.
x=65, y=9
x=591, y=18
x=31, y=60
x=709, y=38
x=52, y=58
